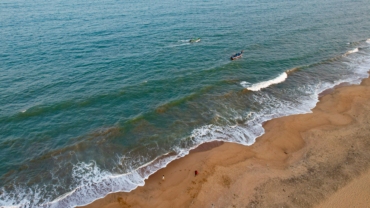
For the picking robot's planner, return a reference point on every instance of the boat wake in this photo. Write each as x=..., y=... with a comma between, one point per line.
x=178, y=45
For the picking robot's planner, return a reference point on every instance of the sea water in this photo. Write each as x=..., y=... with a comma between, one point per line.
x=98, y=95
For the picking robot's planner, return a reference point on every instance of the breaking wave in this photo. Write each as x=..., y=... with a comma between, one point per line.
x=351, y=51
x=258, y=86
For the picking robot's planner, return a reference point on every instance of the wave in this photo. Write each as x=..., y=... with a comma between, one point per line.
x=368, y=41
x=289, y=71
x=258, y=86
x=351, y=51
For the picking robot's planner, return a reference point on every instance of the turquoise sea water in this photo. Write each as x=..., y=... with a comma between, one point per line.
x=98, y=95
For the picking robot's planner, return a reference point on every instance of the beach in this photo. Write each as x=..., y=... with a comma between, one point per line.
x=318, y=159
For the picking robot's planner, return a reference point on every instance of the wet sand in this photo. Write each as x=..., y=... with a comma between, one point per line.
x=311, y=160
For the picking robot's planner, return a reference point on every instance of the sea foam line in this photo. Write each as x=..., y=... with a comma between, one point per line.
x=258, y=86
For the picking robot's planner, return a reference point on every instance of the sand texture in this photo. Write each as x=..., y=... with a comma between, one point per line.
x=319, y=159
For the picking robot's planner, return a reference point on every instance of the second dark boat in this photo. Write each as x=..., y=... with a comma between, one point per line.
x=236, y=56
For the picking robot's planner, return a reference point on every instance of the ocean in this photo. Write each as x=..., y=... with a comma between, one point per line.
x=98, y=95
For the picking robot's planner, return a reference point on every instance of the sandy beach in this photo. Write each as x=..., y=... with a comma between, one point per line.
x=319, y=159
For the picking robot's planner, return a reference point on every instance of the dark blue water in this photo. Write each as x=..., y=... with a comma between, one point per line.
x=94, y=93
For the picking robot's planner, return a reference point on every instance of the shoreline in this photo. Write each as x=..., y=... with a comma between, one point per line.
x=288, y=155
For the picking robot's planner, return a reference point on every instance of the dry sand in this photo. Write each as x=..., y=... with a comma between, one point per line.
x=319, y=159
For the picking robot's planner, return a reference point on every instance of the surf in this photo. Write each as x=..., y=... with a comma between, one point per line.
x=351, y=51
x=258, y=86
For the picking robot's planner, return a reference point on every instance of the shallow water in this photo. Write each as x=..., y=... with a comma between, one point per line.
x=94, y=93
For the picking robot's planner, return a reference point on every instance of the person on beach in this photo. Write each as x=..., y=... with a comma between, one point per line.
x=163, y=177
x=196, y=173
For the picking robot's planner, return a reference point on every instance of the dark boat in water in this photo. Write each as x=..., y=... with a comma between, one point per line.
x=236, y=56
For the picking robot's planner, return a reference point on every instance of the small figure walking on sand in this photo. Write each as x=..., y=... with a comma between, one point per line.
x=196, y=173
x=163, y=177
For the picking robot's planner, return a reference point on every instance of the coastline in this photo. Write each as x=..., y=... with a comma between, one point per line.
x=302, y=160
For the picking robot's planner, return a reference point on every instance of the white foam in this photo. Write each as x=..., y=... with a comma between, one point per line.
x=94, y=184
x=258, y=86
x=351, y=51
x=245, y=83
x=368, y=41
x=24, y=110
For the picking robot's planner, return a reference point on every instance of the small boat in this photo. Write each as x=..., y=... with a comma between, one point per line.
x=236, y=56
x=194, y=40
